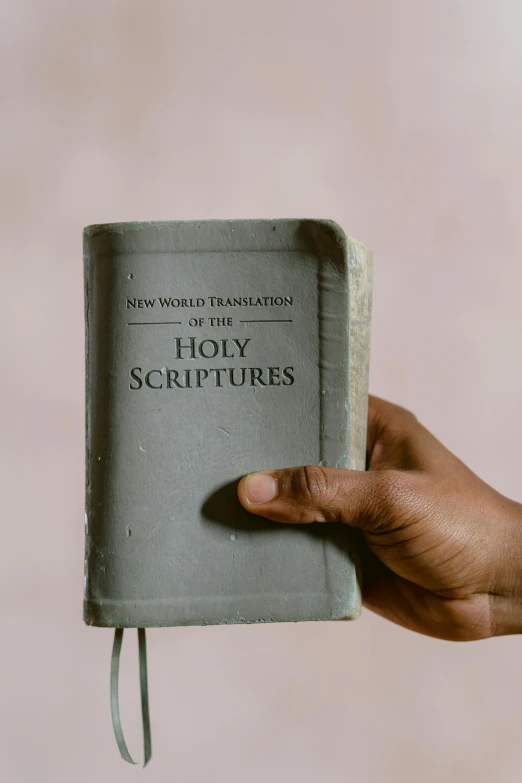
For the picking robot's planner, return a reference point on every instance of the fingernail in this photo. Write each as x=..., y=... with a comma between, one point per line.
x=260, y=488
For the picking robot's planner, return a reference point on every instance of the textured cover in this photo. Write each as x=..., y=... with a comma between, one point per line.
x=214, y=349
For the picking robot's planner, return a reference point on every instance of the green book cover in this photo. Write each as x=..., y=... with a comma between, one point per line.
x=214, y=349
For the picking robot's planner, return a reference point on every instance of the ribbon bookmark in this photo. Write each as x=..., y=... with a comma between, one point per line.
x=144, y=692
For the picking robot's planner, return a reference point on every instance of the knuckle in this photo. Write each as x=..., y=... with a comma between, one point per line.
x=405, y=413
x=312, y=484
x=383, y=410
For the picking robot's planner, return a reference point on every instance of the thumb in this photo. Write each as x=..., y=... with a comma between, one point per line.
x=366, y=499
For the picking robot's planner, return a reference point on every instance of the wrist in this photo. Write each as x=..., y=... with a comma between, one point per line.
x=506, y=593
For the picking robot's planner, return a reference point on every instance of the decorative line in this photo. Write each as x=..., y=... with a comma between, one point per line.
x=151, y=323
x=268, y=321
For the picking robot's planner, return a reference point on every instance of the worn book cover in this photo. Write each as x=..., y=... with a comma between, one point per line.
x=214, y=349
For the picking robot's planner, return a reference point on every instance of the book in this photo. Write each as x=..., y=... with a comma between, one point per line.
x=213, y=349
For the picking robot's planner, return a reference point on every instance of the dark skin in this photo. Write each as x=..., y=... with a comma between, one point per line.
x=442, y=553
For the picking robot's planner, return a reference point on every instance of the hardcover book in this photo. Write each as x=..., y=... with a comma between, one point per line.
x=214, y=349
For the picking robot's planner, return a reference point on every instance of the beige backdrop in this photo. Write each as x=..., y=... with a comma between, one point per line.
x=402, y=120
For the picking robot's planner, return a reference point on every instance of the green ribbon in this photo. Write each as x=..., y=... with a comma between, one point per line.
x=144, y=692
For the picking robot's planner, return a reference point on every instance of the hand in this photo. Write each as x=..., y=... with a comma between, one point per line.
x=443, y=553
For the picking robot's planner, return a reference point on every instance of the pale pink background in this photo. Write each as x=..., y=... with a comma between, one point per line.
x=400, y=119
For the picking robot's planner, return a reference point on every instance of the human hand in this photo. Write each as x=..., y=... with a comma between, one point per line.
x=443, y=552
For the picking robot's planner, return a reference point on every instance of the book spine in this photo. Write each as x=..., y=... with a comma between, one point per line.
x=360, y=265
